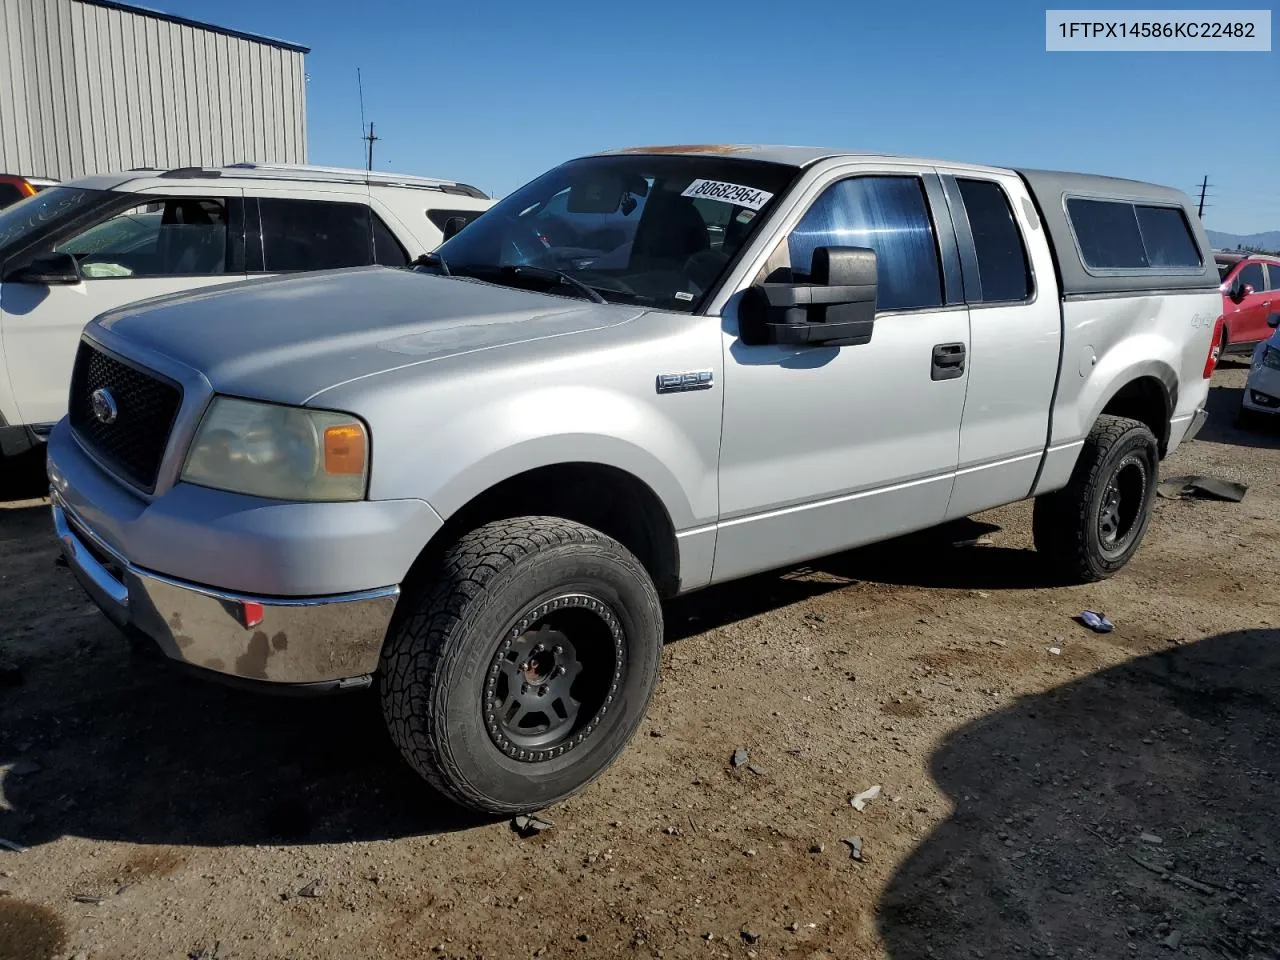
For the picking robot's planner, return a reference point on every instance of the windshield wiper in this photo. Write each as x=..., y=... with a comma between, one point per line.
x=555, y=276
x=432, y=259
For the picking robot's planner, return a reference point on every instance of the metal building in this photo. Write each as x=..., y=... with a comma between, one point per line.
x=90, y=86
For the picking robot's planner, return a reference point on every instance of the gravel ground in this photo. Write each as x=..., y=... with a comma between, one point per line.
x=1116, y=798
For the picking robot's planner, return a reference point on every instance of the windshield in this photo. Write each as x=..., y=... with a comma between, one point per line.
x=32, y=217
x=653, y=230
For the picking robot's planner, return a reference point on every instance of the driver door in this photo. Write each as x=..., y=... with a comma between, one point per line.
x=181, y=239
x=828, y=447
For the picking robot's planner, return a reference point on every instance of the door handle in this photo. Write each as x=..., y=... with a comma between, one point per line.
x=948, y=361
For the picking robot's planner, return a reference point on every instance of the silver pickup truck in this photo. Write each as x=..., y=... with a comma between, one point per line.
x=472, y=481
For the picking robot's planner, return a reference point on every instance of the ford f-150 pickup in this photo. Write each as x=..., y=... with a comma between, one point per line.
x=470, y=482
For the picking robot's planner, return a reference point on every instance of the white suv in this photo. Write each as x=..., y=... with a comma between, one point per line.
x=76, y=249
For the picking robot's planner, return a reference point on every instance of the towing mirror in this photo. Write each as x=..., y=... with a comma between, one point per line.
x=837, y=307
x=52, y=269
x=1273, y=320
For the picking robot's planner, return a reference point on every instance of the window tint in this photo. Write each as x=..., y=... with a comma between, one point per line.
x=386, y=248
x=1166, y=237
x=1116, y=234
x=9, y=193
x=1251, y=273
x=887, y=214
x=1003, y=272
x=441, y=218
x=1107, y=232
x=314, y=235
x=182, y=236
x=1273, y=271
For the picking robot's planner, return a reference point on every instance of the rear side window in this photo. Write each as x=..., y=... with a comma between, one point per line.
x=9, y=193
x=1166, y=237
x=1003, y=271
x=314, y=235
x=1273, y=271
x=1115, y=234
x=386, y=248
x=891, y=216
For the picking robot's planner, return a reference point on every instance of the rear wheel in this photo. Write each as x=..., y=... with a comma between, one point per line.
x=1088, y=530
x=517, y=676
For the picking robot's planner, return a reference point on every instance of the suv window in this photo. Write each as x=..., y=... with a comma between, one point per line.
x=1118, y=234
x=890, y=215
x=183, y=236
x=1003, y=271
x=314, y=234
x=386, y=248
x=1251, y=273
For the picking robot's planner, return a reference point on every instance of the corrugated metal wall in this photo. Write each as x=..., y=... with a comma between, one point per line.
x=87, y=88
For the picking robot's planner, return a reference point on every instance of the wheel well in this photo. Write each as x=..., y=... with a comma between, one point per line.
x=605, y=498
x=1147, y=401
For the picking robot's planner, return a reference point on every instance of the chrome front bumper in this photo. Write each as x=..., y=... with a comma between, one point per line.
x=333, y=640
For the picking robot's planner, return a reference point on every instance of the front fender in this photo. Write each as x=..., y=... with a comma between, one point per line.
x=671, y=447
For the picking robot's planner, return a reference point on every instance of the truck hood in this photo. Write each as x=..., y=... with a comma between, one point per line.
x=288, y=338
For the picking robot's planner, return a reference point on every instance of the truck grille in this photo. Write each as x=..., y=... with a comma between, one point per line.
x=133, y=441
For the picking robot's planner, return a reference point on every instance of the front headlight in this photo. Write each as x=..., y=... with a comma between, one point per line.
x=286, y=453
x=1271, y=358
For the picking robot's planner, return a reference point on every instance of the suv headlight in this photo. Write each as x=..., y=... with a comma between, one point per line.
x=285, y=453
x=1271, y=358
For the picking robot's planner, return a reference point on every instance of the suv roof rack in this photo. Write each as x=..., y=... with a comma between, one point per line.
x=301, y=171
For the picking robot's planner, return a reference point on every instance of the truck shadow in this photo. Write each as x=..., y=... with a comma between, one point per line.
x=1223, y=403
x=1134, y=812
x=23, y=477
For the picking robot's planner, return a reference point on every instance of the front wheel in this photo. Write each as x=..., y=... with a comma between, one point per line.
x=1088, y=530
x=517, y=676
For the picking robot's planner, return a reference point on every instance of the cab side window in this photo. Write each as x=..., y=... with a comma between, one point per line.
x=890, y=215
x=182, y=236
x=1003, y=272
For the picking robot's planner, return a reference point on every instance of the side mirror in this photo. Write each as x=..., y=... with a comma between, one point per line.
x=1273, y=320
x=837, y=307
x=1239, y=291
x=453, y=225
x=52, y=269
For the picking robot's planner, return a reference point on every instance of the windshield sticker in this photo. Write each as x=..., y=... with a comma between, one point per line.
x=683, y=295
x=727, y=193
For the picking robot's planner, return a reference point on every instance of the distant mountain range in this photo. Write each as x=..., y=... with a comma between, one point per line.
x=1269, y=241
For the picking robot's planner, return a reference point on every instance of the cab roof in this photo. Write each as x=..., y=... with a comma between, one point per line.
x=794, y=156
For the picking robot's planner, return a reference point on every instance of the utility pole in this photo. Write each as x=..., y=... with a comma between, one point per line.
x=1204, y=185
x=370, y=137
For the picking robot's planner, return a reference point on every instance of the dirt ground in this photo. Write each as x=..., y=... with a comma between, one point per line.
x=1118, y=798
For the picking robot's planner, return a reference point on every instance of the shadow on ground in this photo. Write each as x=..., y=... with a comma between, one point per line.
x=23, y=477
x=1048, y=858
x=113, y=747
x=1221, y=427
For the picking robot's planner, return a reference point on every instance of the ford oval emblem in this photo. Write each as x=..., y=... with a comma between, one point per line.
x=104, y=405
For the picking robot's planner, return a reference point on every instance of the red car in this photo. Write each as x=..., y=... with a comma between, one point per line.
x=1250, y=291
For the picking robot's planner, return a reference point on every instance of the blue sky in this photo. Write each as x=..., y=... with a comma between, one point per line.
x=494, y=93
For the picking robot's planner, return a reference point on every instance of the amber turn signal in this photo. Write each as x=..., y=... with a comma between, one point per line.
x=344, y=449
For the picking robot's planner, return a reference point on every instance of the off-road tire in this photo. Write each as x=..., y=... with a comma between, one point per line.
x=1066, y=523
x=441, y=652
